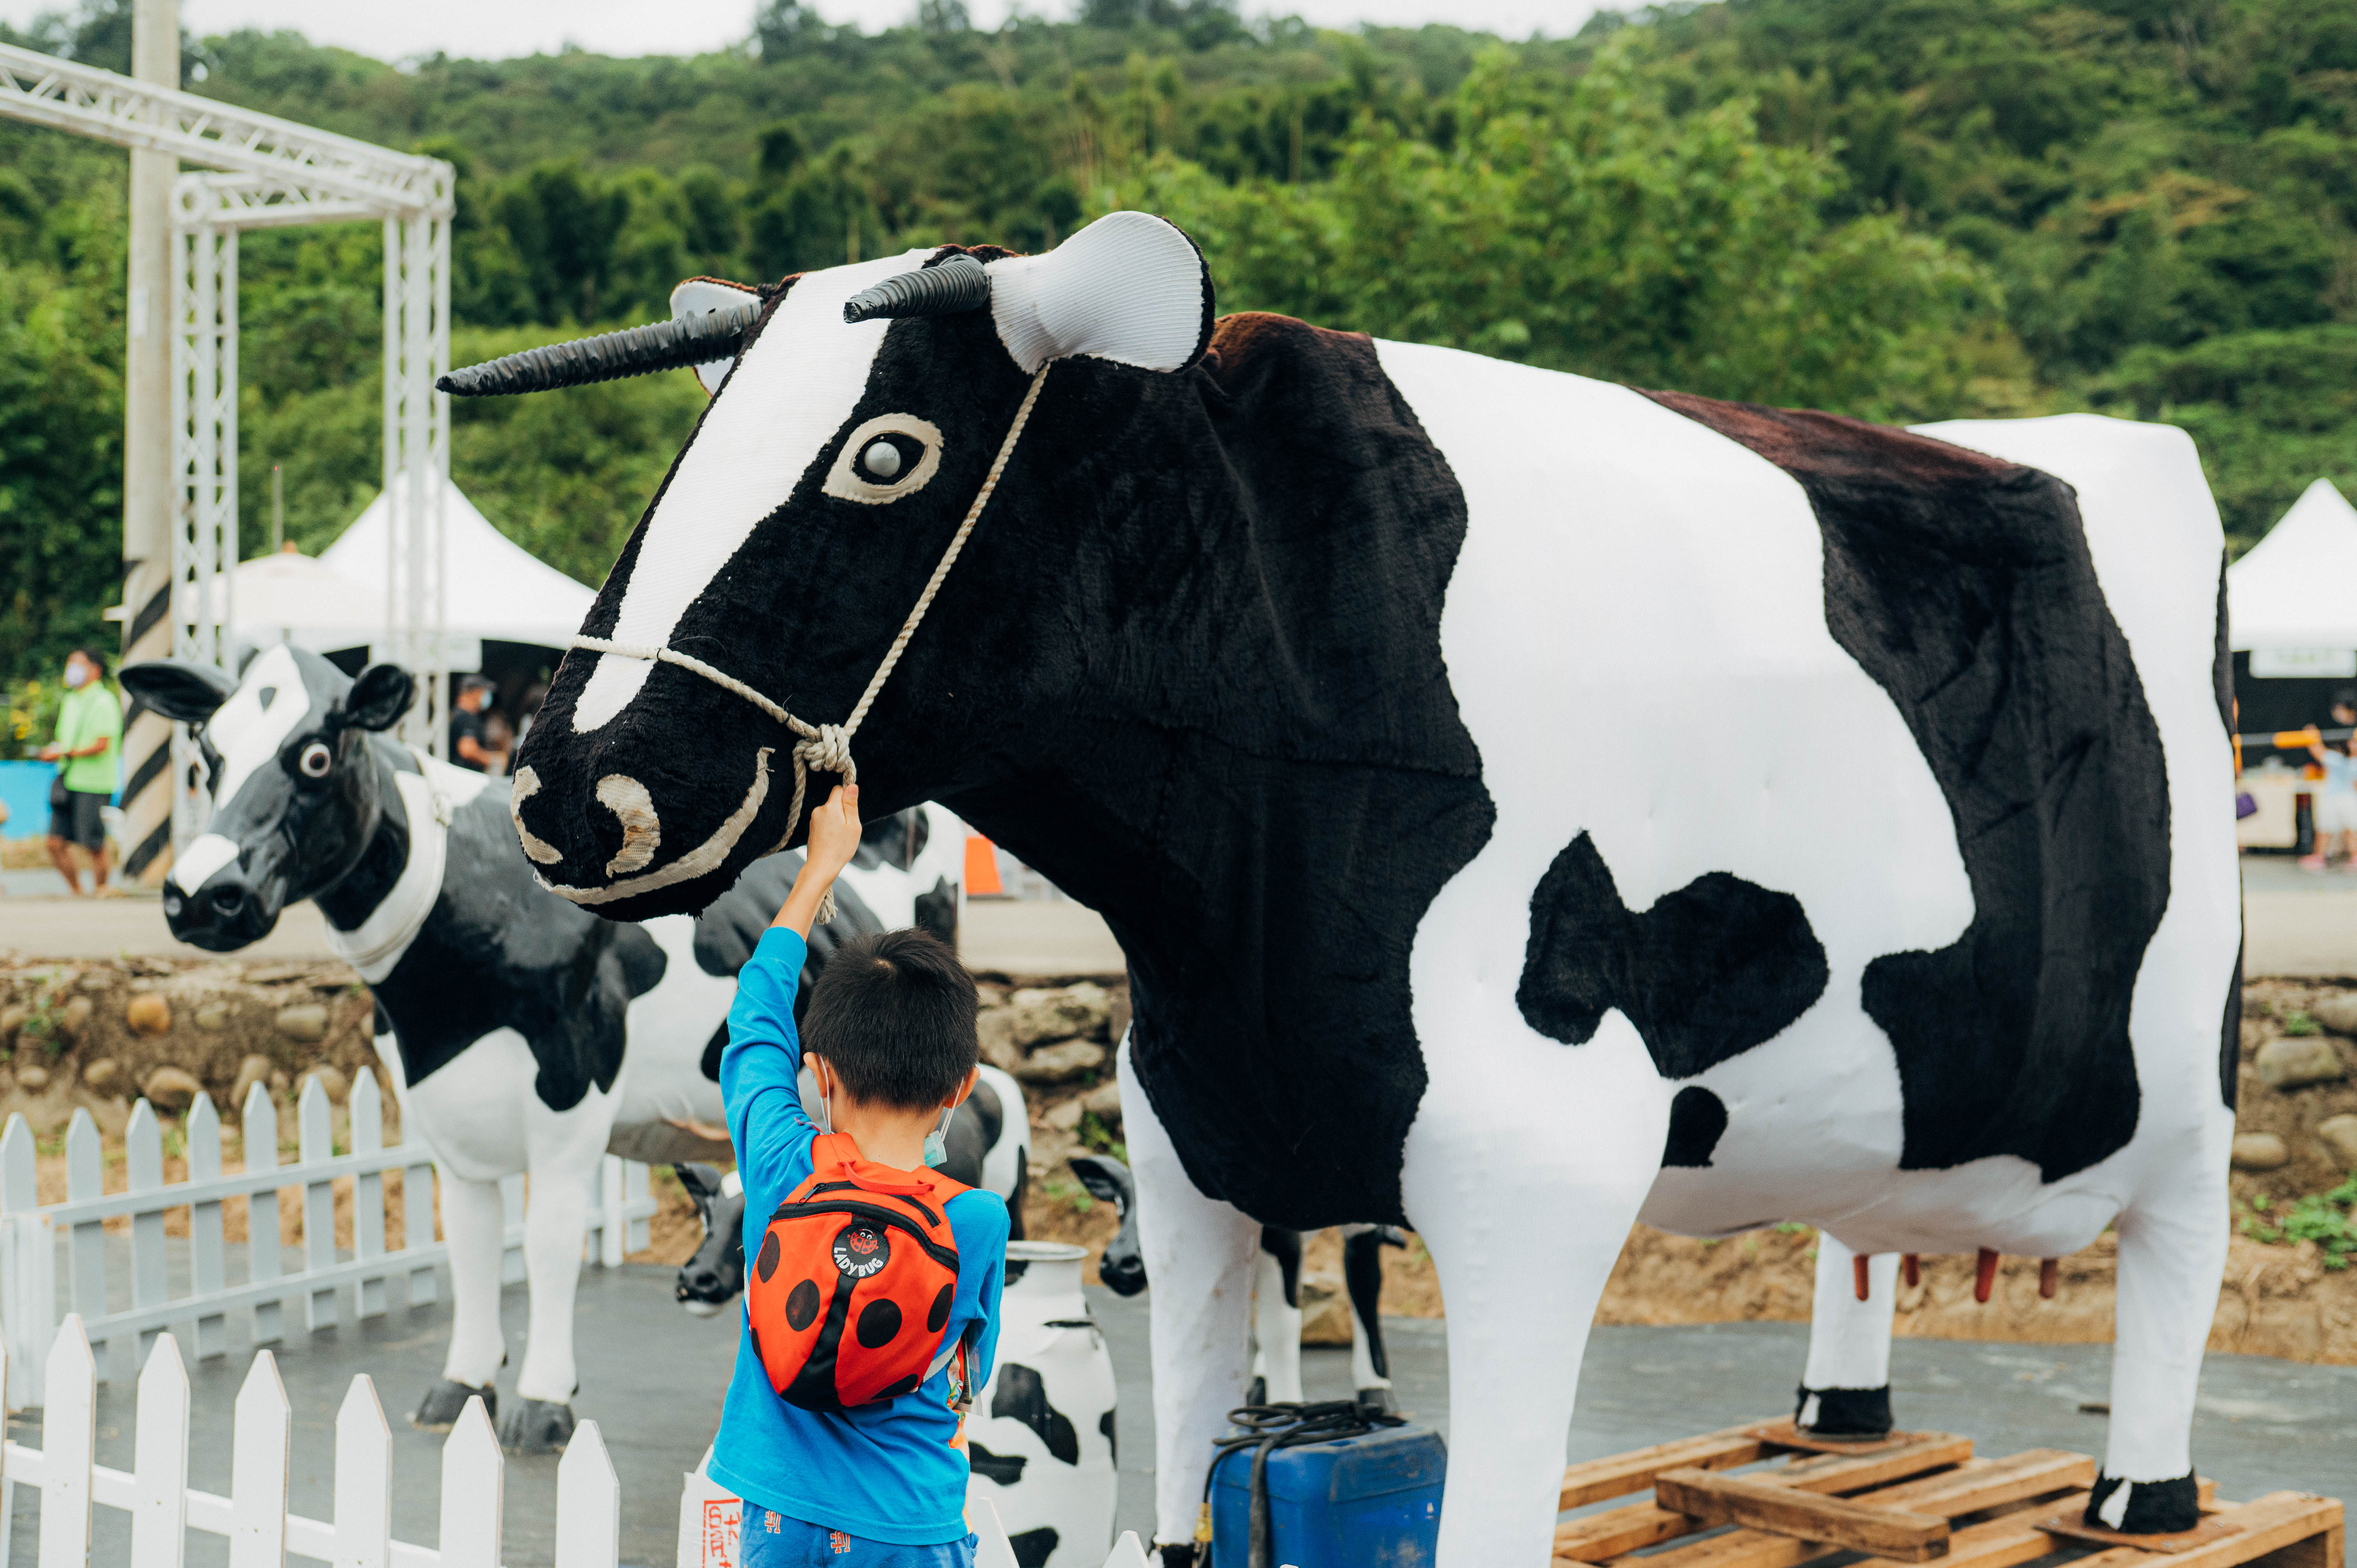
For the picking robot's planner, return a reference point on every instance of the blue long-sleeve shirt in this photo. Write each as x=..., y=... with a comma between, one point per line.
x=886, y=1471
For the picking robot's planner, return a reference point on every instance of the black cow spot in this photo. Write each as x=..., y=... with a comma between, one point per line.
x=713, y=1048
x=1004, y=1469
x=939, y=1312
x=1965, y=588
x=1023, y=1396
x=1710, y=970
x=1033, y=1547
x=907, y=1385
x=766, y=1263
x=801, y=1307
x=2230, y=1037
x=880, y=1322
x=1104, y=1424
x=1697, y=1118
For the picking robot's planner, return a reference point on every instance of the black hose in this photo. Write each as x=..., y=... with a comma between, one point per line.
x=1269, y=1427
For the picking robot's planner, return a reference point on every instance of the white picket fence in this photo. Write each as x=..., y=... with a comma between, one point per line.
x=29, y=1311
x=261, y=1533
x=254, y=1516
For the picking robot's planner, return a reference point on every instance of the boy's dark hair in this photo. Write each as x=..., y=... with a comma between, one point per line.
x=97, y=660
x=894, y=1010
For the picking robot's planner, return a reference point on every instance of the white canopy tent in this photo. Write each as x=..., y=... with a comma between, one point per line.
x=2291, y=603
x=494, y=590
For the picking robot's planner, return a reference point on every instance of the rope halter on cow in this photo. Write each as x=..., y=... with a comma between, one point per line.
x=826, y=748
x=957, y=283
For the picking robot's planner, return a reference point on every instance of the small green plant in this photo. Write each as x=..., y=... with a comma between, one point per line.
x=1792, y=1228
x=2323, y=1217
x=1100, y=1137
x=2301, y=1023
x=1064, y=1190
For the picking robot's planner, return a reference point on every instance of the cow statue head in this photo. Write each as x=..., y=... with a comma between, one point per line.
x=297, y=793
x=860, y=413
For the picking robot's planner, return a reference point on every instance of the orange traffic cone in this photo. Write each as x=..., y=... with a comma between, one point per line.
x=981, y=866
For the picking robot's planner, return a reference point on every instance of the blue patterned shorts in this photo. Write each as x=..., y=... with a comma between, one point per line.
x=769, y=1540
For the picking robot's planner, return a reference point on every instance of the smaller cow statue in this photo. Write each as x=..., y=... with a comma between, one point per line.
x=522, y=1034
x=1276, y=1290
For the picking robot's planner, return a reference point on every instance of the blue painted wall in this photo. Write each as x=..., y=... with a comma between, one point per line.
x=25, y=785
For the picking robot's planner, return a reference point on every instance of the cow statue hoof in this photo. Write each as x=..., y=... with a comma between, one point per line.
x=1845, y=1415
x=537, y=1426
x=447, y=1400
x=1181, y=1556
x=2145, y=1507
x=1378, y=1402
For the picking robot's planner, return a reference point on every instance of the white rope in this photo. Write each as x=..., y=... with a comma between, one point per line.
x=826, y=748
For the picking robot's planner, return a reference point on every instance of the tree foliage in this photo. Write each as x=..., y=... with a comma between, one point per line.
x=1898, y=209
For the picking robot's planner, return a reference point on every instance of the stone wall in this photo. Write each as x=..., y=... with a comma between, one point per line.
x=98, y=1035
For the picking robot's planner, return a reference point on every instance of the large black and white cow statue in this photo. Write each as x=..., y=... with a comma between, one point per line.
x=1527, y=804
x=523, y=1035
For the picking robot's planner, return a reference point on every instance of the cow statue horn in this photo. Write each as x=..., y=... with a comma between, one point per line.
x=609, y=356
x=959, y=284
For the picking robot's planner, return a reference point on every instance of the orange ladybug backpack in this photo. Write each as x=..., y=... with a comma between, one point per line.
x=852, y=1284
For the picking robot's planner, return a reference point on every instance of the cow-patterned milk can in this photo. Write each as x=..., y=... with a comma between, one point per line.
x=1040, y=1436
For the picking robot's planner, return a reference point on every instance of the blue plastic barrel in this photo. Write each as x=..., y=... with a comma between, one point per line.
x=1357, y=1502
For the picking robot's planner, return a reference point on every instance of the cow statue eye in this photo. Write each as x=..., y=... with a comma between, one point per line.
x=315, y=759
x=889, y=458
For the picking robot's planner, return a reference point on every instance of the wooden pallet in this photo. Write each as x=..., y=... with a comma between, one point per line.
x=1913, y=1497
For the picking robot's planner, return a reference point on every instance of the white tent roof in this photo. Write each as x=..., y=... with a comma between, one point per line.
x=293, y=595
x=2298, y=586
x=492, y=587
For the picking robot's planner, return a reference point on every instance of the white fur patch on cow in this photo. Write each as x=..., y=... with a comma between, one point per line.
x=782, y=407
x=205, y=854
x=527, y=784
x=641, y=826
x=254, y=725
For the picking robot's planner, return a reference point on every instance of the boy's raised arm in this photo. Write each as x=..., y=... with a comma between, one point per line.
x=758, y=1070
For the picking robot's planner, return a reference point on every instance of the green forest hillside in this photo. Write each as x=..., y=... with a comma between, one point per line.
x=1903, y=210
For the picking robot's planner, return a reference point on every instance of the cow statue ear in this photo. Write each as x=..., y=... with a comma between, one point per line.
x=380, y=697
x=703, y=297
x=179, y=688
x=1130, y=287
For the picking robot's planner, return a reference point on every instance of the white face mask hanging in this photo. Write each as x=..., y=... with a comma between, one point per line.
x=937, y=1148
x=817, y=1106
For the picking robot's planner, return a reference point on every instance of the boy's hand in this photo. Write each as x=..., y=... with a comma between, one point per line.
x=834, y=830
x=833, y=840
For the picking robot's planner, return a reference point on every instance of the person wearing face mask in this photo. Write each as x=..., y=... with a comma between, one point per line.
x=88, y=740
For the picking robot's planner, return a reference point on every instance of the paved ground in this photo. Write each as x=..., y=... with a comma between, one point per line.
x=2263, y=1425
x=2296, y=924
x=37, y=920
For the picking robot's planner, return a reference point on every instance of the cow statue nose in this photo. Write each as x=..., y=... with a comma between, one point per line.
x=228, y=900
x=1124, y=1272
x=701, y=1289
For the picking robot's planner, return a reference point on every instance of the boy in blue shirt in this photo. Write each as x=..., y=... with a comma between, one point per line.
x=892, y=1049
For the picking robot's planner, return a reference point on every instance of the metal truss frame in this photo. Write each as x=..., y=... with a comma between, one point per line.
x=272, y=173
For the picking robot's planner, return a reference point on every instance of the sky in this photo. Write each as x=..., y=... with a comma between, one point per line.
x=504, y=28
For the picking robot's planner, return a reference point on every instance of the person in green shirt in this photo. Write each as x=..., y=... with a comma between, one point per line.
x=90, y=744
